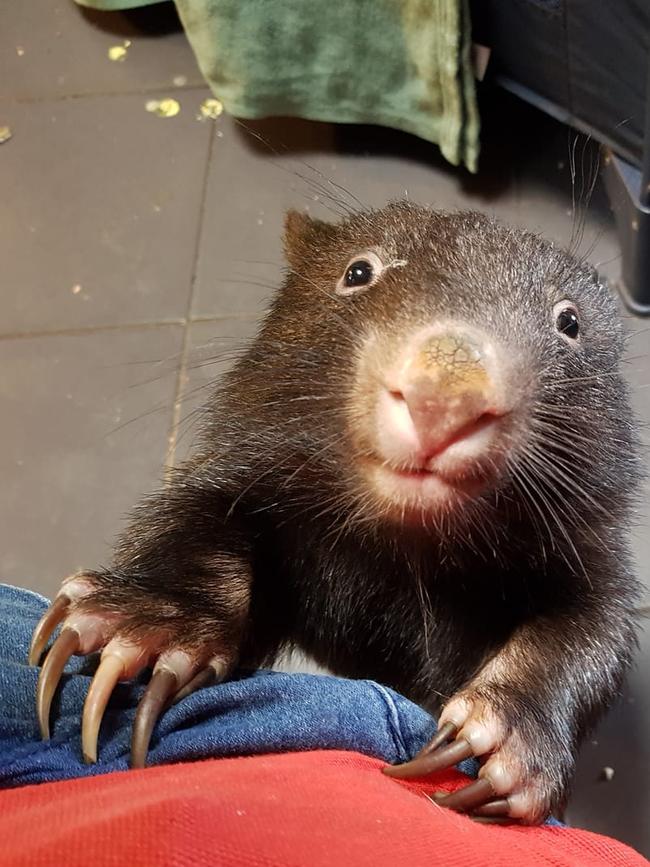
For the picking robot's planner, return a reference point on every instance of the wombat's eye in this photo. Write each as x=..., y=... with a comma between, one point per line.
x=566, y=320
x=360, y=273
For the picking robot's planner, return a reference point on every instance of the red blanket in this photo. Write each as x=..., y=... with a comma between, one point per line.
x=312, y=809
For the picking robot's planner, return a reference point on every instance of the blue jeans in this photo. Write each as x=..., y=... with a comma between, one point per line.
x=259, y=712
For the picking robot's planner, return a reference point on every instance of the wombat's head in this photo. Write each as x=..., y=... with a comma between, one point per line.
x=449, y=361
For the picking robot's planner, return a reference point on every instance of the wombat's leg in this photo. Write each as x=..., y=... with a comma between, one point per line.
x=525, y=712
x=176, y=599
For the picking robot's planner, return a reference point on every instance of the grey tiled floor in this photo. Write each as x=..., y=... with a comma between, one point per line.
x=138, y=252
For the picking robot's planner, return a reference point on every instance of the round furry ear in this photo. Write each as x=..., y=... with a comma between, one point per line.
x=302, y=237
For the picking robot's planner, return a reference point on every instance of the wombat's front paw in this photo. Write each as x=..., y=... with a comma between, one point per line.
x=129, y=642
x=516, y=779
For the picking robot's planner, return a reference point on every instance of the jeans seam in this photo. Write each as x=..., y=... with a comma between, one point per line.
x=394, y=720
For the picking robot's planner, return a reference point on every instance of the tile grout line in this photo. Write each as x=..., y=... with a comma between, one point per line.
x=92, y=94
x=182, y=366
x=85, y=330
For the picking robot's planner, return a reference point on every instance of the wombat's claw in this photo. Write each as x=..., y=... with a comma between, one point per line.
x=162, y=686
x=445, y=733
x=498, y=793
x=46, y=626
x=498, y=808
x=478, y=798
x=170, y=682
x=429, y=761
x=467, y=799
x=73, y=587
x=120, y=661
x=63, y=648
x=174, y=677
x=176, y=673
x=214, y=673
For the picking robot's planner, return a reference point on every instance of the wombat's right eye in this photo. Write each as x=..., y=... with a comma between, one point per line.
x=360, y=273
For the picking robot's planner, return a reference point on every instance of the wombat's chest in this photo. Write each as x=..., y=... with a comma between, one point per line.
x=367, y=616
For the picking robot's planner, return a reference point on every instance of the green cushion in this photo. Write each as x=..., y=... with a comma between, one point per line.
x=396, y=63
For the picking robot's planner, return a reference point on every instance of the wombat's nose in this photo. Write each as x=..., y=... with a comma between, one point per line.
x=445, y=385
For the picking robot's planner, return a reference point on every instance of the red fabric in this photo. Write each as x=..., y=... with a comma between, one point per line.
x=299, y=809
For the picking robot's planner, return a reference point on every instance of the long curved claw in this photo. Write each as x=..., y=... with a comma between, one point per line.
x=48, y=679
x=492, y=809
x=206, y=677
x=46, y=626
x=469, y=798
x=445, y=733
x=162, y=686
x=110, y=670
x=214, y=672
x=439, y=760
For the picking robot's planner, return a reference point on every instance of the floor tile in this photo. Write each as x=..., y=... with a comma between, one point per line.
x=63, y=50
x=100, y=209
x=619, y=807
x=256, y=175
x=85, y=424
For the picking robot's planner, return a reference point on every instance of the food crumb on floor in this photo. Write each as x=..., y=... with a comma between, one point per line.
x=119, y=52
x=163, y=107
x=210, y=109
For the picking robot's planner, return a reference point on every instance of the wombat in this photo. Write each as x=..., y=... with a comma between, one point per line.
x=422, y=471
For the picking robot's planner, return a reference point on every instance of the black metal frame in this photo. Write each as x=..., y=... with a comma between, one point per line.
x=541, y=51
x=628, y=189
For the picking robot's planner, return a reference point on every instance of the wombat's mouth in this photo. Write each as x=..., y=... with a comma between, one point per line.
x=460, y=466
x=426, y=490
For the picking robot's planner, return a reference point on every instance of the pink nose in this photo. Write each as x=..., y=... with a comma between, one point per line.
x=447, y=391
x=440, y=419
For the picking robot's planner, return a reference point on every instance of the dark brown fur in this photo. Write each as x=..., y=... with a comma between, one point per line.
x=268, y=535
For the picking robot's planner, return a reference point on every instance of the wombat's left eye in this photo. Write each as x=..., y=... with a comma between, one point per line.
x=360, y=273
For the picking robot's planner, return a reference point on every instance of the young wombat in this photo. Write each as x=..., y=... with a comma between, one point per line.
x=421, y=472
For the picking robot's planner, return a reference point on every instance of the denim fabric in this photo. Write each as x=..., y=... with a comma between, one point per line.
x=262, y=712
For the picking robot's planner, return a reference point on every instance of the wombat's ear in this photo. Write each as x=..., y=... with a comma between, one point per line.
x=302, y=232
